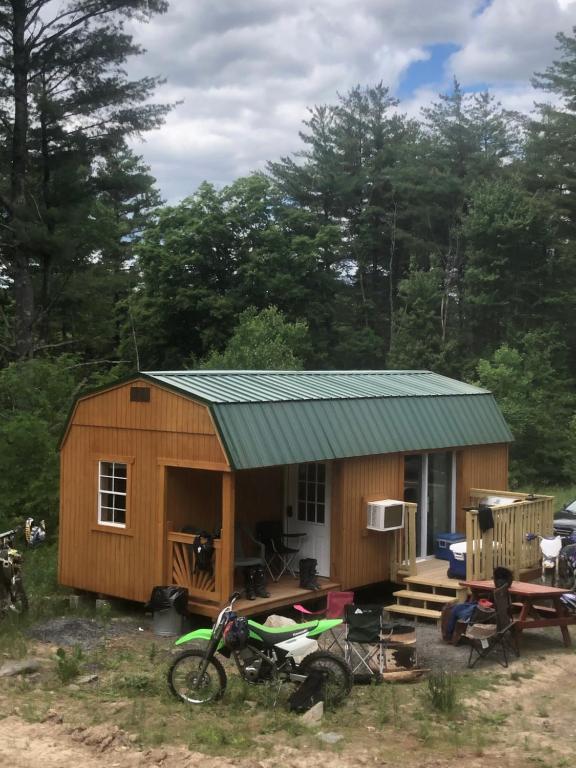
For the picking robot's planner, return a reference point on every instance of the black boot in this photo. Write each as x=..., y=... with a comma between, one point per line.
x=249, y=583
x=260, y=581
x=308, y=576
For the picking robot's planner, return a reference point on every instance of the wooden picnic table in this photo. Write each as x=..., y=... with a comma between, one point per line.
x=527, y=597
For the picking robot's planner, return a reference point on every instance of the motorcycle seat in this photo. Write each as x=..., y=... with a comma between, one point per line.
x=272, y=635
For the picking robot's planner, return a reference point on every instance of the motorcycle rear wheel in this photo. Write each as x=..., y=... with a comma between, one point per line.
x=338, y=678
x=184, y=681
x=19, y=598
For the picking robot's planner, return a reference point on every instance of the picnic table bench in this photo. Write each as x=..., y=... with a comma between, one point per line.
x=526, y=598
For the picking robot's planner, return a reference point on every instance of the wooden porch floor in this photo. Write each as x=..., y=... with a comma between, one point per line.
x=435, y=570
x=283, y=593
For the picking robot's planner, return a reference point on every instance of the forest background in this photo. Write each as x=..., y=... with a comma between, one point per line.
x=445, y=243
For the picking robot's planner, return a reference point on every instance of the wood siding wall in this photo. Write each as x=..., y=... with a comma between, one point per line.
x=169, y=429
x=482, y=466
x=360, y=556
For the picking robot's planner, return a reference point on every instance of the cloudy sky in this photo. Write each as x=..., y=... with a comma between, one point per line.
x=246, y=70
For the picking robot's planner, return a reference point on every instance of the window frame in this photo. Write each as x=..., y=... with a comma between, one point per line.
x=104, y=525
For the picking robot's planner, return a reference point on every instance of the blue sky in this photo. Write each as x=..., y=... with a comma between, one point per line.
x=427, y=72
x=246, y=70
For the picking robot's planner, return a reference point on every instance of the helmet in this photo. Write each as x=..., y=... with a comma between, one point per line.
x=236, y=633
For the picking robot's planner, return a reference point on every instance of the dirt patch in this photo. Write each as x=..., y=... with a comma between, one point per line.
x=83, y=632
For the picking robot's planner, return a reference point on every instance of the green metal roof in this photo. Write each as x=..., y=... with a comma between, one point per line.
x=267, y=418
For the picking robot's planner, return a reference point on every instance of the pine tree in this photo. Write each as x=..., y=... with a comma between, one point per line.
x=65, y=101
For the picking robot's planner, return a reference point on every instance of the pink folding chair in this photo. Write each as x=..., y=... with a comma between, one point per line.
x=336, y=603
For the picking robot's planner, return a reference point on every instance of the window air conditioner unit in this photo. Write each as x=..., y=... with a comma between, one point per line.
x=385, y=515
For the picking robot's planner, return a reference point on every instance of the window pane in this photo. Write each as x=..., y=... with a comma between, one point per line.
x=120, y=517
x=321, y=473
x=320, y=513
x=320, y=494
x=311, y=512
x=301, y=510
x=120, y=485
x=119, y=470
x=107, y=500
x=120, y=502
x=106, y=515
x=106, y=468
x=311, y=473
x=106, y=483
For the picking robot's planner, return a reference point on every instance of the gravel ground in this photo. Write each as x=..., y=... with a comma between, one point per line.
x=86, y=633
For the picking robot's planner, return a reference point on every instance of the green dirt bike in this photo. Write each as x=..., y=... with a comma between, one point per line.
x=263, y=655
x=12, y=594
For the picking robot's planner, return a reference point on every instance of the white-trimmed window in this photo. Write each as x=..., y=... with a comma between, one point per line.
x=112, y=476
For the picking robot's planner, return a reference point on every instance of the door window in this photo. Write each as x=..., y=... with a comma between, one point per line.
x=312, y=493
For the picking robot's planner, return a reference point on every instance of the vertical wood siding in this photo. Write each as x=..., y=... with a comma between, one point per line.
x=126, y=563
x=482, y=466
x=360, y=556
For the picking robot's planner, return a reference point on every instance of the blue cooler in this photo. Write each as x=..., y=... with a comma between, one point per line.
x=443, y=541
x=457, y=567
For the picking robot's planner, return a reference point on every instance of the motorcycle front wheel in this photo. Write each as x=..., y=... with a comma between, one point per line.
x=188, y=685
x=337, y=676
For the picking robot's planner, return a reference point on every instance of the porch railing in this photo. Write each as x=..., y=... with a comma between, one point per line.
x=403, y=546
x=182, y=570
x=505, y=544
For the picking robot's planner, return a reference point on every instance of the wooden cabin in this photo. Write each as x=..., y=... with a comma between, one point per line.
x=146, y=461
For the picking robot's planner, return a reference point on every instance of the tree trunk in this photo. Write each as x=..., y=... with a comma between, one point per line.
x=21, y=267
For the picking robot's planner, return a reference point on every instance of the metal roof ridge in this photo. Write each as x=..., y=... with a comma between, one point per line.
x=267, y=372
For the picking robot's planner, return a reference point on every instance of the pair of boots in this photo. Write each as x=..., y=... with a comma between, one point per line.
x=255, y=582
x=308, y=575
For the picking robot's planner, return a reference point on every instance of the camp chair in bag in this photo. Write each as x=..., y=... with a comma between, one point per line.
x=363, y=644
x=279, y=556
x=336, y=602
x=484, y=638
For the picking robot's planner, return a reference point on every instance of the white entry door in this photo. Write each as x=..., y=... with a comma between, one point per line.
x=308, y=510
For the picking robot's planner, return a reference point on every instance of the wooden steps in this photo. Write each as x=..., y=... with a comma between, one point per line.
x=424, y=597
x=414, y=612
x=425, y=594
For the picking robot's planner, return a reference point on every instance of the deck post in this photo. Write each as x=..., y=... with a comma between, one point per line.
x=227, y=534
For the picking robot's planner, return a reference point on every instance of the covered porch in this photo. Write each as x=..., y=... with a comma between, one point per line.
x=228, y=506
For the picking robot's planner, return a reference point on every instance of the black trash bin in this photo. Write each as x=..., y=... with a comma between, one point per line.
x=168, y=605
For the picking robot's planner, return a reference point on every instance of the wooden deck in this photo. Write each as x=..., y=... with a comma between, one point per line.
x=435, y=570
x=283, y=594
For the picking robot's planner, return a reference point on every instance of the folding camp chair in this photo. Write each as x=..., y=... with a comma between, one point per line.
x=241, y=558
x=279, y=556
x=336, y=602
x=364, y=643
x=484, y=638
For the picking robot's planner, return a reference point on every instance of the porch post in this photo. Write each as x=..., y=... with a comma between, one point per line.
x=227, y=534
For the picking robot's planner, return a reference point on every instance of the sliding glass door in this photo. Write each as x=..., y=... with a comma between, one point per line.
x=429, y=482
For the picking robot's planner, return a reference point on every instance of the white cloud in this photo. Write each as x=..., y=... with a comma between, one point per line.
x=248, y=69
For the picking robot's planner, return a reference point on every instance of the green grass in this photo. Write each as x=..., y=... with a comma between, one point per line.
x=562, y=494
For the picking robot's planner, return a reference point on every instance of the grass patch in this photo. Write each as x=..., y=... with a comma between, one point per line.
x=68, y=664
x=442, y=693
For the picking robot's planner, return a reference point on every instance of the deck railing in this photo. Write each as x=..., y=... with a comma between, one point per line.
x=403, y=546
x=182, y=571
x=505, y=544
